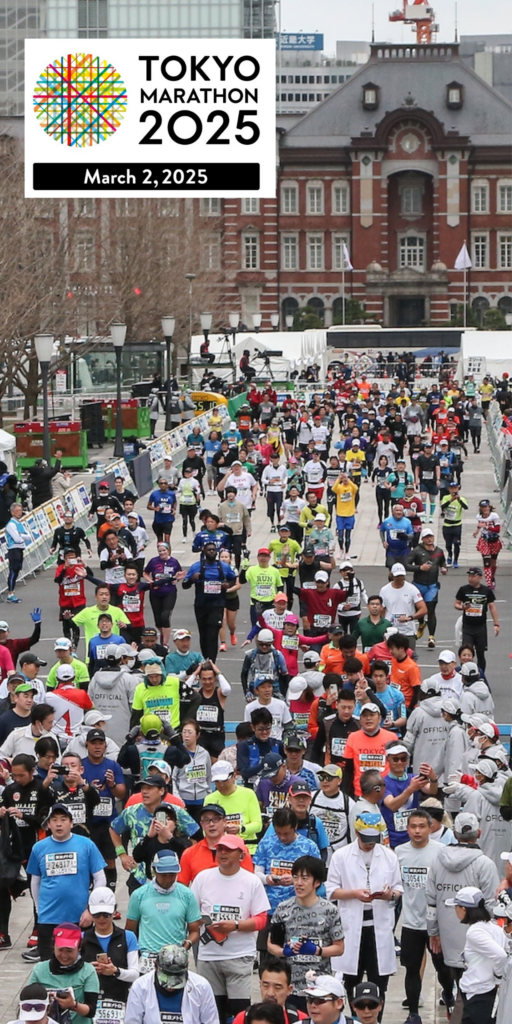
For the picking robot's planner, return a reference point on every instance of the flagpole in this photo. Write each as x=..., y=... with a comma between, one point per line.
x=343, y=287
x=465, y=291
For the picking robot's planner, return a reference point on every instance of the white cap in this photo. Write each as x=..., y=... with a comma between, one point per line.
x=466, y=823
x=320, y=515
x=322, y=576
x=450, y=706
x=265, y=636
x=487, y=729
x=102, y=900
x=311, y=657
x=325, y=985
x=65, y=673
x=427, y=532
x=389, y=632
x=468, y=896
x=469, y=668
x=62, y=644
x=232, y=425
x=398, y=569
x=447, y=656
x=93, y=717
x=430, y=684
x=369, y=707
x=222, y=770
x=474, y=720
x=345, y=565
x=506, y=856
x=397, y=748
x=29, y=1015
x=487, y=767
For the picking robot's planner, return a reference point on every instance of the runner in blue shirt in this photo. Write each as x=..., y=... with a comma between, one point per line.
x=162, y=502
x=276, y=853
x=61, y=868
x=396, y=532
x=107, y=777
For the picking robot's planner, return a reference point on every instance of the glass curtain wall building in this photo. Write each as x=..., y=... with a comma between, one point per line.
x=98, y=19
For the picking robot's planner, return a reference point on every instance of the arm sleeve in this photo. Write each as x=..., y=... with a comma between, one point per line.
x=224, y=686
x=130, y=973
x=98, y=878
x=35, y=885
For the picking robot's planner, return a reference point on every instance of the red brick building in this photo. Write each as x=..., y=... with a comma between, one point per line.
x=402, y=163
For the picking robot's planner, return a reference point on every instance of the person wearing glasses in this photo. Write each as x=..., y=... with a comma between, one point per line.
x=112, y=951
x=367, y=1003
x=34, y=1005
x=325, y=1000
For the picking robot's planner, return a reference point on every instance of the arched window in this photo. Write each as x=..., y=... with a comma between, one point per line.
x=480, y=306
x=317, y=304
x=289, y=307
x=505, y=304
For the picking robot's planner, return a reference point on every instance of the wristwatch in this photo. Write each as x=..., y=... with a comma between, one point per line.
x=236, y=925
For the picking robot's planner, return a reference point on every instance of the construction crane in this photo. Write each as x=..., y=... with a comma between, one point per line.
x=417, y=13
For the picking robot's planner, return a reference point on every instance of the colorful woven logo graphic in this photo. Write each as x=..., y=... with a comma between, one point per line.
x=80, y=100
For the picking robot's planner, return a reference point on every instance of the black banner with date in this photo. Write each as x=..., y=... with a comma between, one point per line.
x=117, y=177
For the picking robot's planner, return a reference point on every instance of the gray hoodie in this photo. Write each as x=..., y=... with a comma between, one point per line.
x=476, y=699
x=194, y=781
x=426, y=734
x=454, y=868
x=111, y=691
x=485, y=803
x=455, y=746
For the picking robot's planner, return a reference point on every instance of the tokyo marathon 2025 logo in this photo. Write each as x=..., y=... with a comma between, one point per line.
x=80, y=100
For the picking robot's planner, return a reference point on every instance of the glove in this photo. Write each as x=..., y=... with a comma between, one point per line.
x=245, y=563
x=36, y=615
x=308, y=948
x=168, y=730
x=287, y=950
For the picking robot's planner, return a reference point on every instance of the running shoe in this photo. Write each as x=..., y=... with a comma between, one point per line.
x=31, y=956
x=5, y=942
x=223, y=647
x=455, y=565
x=431, y=642
x=448, y=560
x=32, y=940
x=234, y=640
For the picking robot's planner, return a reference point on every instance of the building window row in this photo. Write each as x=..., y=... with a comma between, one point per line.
x=315, y=251
x=315, y=198
x=481, y=250
x=481, y=196
x=311, y=79
x=302, y=97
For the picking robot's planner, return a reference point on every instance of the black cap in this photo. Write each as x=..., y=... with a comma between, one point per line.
x=230, y=490
x=60, y=809
x=366, y=992
x=149, y=631
x=299, y=787
x=155, y=780
x=214, y=808
x=27, y=658
x=308, y=549
x=95, y=734
x=294, y=741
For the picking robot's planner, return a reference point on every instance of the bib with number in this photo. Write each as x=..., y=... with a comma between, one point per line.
x=278, y=867
x=207, y=713
x=104, y=808
x=147, y=962
x=338, y=744
x=61, y=864
x=109, y=1011
x=289, y=643
x=310, y=585
x=131, y=603
x=400, y=820
x=210, y=587
x=195, y=773
x=71, y=589
x=372, y=760
x=321, y=620
x=428, y=475
x=263, y=590
x=78, y=813
x=415, y=878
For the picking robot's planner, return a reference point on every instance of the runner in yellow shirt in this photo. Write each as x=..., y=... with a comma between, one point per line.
x=345, y=490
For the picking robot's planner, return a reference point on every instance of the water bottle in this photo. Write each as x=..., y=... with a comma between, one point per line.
x=98, y=473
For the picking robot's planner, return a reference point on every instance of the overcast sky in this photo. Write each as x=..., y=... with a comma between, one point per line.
x=352, y=19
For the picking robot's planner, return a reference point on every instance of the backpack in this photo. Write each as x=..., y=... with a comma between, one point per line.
x=11, y=852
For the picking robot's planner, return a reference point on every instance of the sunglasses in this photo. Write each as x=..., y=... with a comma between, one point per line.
x=319, y=1000
x=103, y=913
x=365, y=1006
x=33, y=1007
x=399, y=757
x=377, y=788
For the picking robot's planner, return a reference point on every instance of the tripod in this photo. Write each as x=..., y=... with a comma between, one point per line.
x=266, y=369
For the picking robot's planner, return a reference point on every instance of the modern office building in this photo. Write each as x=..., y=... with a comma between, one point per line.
x=306, y=77
x=21, y=19
x=491, y=58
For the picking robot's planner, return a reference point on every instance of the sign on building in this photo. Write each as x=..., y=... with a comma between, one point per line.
x=300, y=41
x=146, y=117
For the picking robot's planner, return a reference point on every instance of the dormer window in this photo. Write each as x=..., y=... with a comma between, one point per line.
x=454, y=95
x=370, y=96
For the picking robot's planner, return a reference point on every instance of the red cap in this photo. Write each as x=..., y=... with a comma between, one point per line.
x=232, y=842
x=104, y=483
x=264, y=551
x=67, y=935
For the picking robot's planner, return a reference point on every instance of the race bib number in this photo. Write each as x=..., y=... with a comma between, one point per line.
x=207, y=713
x=277, y=727
x=147, y=962
x=131, y=603
x=311, y=585
x=321, y=620
x=61, y=864
x=345, y=496
x=237, y=818
x=263, y=590
x=195, y=774
x=301, y=719
x=450, y=514
x=100, y=652
x=278, y=868
x=108, y=1011
x=233, y=517
x=428, y=475
x=332, y=824
x=289, y=643
x=474, y=610
x=117, y=574
x=211, y=587
x=104, y=809
x=78, y=813
x=415, y=878
x=71, y=589
x=392, y=534
x=165, y=508
x=372, y=760
x=352, y=601
x=223, y=912
x=168, y=1017
x=401, y=820
x=338, y=744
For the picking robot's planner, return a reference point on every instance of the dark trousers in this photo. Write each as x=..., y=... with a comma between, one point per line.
x=476, y=437
x=45, y=940
x=479, y=642
x=478, y=1010
x=288, y=585
x=383, y=497
x=368, y=964
x=414, y=944
x=188, y=515
x=236, y=547
x=69, y=629
x=15, y=560
x=452, y=538
x=296, y=532
x=274, y=502
x=209, y=621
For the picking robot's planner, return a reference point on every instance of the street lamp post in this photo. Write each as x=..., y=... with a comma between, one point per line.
x=256, y=322
x=206, y=324
x=44, y=349
x=190, y=278
x=118, y=335
x=274, y=320
x=234, y=320
x=289, y=321
x=168, y=325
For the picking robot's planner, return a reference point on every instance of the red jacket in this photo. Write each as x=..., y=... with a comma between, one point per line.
x=290, y=652
x=71, y=587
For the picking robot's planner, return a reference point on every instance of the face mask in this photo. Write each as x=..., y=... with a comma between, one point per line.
x=131, y=662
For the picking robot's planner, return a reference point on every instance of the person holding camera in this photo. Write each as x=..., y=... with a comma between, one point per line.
x=71, y=981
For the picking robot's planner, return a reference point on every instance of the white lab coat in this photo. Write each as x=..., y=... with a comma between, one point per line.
x=347, y=870
x=198, y=1006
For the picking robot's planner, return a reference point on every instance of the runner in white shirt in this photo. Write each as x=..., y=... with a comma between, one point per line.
x=278, y=708
x=400, y=604
x=246, y=485
x=236, y=903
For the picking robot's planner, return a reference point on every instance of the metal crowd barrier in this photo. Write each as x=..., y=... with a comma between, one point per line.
x=500, y=444
x=44, y=520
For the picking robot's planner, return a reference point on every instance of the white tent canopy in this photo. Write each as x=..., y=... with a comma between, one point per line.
x=485, y=352
x=299, y=348
x=7, y=449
